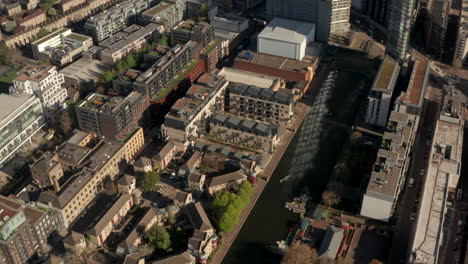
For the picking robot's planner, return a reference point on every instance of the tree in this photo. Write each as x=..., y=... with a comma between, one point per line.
x=300, y=254
x=148, y=182
x=160, y=238
x=8, y=56
x=120, y=67
x=245, y=191
x=42, y=33
x=170, y=216
x=46, y=4
x=203, y=12
x=62, y=122
x=163, y=41
x=107, y=76
x=330, y=198
x=376, y=261
x=130, y=61
x=51, y=11
x=10, y=25
x=357, y=137
x=145, y=250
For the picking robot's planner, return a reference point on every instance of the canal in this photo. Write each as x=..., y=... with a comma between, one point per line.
x=309, y=159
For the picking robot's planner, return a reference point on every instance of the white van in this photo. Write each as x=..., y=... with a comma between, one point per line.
x=411, y=182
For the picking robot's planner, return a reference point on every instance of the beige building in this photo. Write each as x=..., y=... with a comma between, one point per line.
x=103, y=228
x=164, y=157
x=31, y=18
x=204, y=240
x=98, y=162
x=244, y=132
x=260, y=104
x=229, y=181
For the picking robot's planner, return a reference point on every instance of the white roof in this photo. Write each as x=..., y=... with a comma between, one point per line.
x=287, y=30
x=12, y=104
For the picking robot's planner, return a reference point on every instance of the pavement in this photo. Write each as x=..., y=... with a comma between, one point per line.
x=405, y=227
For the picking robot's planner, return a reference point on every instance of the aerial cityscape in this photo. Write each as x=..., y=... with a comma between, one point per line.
x=233, y=131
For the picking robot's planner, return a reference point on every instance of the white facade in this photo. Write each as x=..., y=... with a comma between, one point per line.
x=43, y=82
x=286, y=38
x=378, y=109
x=377, y=208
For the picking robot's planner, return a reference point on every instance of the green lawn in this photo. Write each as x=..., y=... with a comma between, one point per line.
x=7, y=80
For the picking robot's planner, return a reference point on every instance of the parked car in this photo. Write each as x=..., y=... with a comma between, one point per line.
x=411, y=182
x=413, y=216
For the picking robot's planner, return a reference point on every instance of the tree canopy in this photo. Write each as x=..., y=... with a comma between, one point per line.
x=331, y=198
x=160, y=238
x=42, y=33
x=300, y=254
x=148, y=182
x=46, y=4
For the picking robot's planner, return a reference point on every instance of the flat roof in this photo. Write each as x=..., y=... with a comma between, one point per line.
x=35, y=73
x=10, y=105
x=275, y=62
x=158, y=8
x=387, y=75
x=414, y=95
x=85, y=70
x=110, y=214
x=50, y=36
x=287, y=30
x=248, y=78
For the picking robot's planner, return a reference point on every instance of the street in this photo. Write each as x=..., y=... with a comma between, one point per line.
x=408, y=203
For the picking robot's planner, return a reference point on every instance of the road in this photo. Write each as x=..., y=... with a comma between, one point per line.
x=405, y=227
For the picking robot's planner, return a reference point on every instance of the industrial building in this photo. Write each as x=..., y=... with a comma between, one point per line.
x=286, y=38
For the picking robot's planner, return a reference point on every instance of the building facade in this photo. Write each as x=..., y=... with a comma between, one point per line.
x=114, y=19
x=460, y=58
x=61, y=47
x=44, y=82
x=166, y=13
x=379, y=100
x=22, y=118
x=111, y=117
x=399, y=29
x=262, y=104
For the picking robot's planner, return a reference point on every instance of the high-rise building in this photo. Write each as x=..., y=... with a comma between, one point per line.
x=44, y=82
x=16, y=236
x=21, y=116
x=460, y=58
x=378, y=10
x=399, y=29
x=439, y=11
x=112, y=117
x=330, y=17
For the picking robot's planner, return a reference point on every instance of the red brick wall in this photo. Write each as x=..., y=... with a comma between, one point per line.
x=287, y=75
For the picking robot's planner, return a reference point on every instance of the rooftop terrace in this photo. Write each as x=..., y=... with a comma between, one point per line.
x=277, y=62
x=387, y=75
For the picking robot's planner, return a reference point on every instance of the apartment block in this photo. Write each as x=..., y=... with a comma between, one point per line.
x=21, y=117
x=44, y=82
x=166, y=13
x=43, y=220
x=66, y=5
x=201, y=33
x=439, y=11
x=61, y=47
x=213, y=52
x=31, y=18
x=262, y=104
x=380, y=98
x=460, y=58
x=165, y=155
x=164, y=70
x=130, y=40
x=17, y=239
x=187, y=119
x=286, y=68
x=95, y=162
x=393, y=158
x=229, y=181
x=399, y=28
x=114, y=19
x=113, y=216
x=230, y=22
x=111, y=117
x=244, y=132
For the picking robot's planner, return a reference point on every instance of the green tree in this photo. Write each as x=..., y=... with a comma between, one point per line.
x=170, y=216
x=163, y=41
x=51, y=11
x=120, y=67
x=46, y=4
x=331, y=198
x=300, y=254
x=245, y=191
x=9, y=26
x=148, y=182
x=160, y=238
x=42, y=33
x=107, y=76
x=130, y=61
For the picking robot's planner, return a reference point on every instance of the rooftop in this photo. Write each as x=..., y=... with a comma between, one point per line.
x=32, y=213
x=387, y=75
x=51, y=36
x=246, y=125
x=281, y=96
x=248, y=78
x=287, y=30
x=276, y=62
x=110, y=214
x=138, y=231
x=102, y=154
x=198, y=217
x=34, y=73
x=11, y=105
x=100, y=102
x=226, y=178
x=414, y=95
x=84, y=70
x=158, y=8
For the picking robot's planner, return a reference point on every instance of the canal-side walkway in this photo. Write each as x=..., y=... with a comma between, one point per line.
x=268, y=169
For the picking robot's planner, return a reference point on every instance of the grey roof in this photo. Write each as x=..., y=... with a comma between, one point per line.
x=280, y=96
x=126, y=180
x=287, y=30
x=11, y=105
x=84, y=70
x=247, y=125
x=331, y=243
x=68, y=191
x=183, y=258
x=73, y=239
x=45, y=163
x=198, y=217
x=189, y=165
x=199, y=146
x=212, y=148
x=194, y=177
x=77, y=137
x=142, y=162
x=132, y=258
x=110, y=214
x=226, y=178
x=139, y=230
x=164, y=151
x=181, y=196
x=72, y=154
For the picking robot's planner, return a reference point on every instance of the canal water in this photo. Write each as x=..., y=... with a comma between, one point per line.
x=309, y=160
